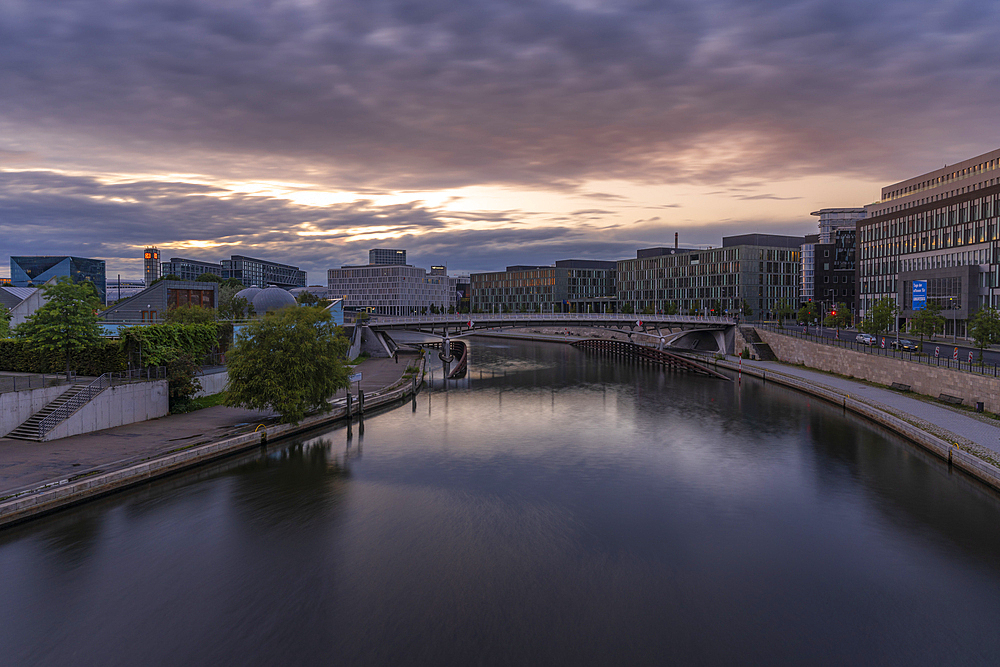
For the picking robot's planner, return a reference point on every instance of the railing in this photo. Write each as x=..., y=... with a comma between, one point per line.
x=36, y=381
x=878, y=350
x=87, y=394
x=568, y=317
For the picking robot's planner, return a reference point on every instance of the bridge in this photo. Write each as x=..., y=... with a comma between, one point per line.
x=707, y=333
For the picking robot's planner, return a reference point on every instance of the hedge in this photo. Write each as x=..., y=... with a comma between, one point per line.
x=105, y=357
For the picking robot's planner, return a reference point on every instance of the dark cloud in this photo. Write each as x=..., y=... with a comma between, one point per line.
x=424, y=94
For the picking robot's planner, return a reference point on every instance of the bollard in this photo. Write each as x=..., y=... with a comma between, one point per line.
x=348, y=405
x=361, y=402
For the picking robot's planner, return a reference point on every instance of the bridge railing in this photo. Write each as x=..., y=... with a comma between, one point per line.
x=549, y=317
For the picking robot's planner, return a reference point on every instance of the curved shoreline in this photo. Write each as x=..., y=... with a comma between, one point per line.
x=61, y=494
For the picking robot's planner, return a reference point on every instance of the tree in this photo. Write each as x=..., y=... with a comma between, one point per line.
x=747, y=310
x=838, y=317
x=209, y=278
x=67, y=322
x=4, y=322
x=306, y=298
x=985, y=329
x=927, y=321
x=189, y=314
x=232, y=307
x=182, y=383
x=808, y=313
x=233, y=282
x=879, y=317
x=290, y=360
x=671, y=309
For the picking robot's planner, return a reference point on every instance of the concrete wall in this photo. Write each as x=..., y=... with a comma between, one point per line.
x=929, y=380
x=17, y=406
x=117, y=406
x=212, y=383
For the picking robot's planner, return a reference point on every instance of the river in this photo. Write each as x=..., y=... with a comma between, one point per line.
x=553, y=508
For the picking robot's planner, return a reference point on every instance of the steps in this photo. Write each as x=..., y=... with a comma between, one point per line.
x=29, y=429
x=759, y=347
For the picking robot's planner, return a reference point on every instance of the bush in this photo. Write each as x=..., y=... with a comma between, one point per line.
x=104, y=357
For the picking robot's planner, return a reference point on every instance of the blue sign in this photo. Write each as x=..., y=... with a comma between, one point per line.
x=919, y=294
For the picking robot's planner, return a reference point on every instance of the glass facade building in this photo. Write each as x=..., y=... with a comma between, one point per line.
x=35, y=271
x=572, y=285
x=943, y=227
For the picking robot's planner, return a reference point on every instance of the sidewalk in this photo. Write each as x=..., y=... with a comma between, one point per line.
x=26, y=465
x=972, y=431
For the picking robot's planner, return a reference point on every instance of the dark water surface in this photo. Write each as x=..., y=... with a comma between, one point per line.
x=555, y=508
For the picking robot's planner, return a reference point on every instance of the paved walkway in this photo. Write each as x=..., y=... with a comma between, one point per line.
x=26, y=464
x=971, y=428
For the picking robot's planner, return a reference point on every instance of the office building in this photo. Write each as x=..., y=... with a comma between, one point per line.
x=35, y=271
x=150, y=265
x=386, y=257
x=572, y=285
x=190, y=269
x=758, y=273
x=262, y=273
x=827, y=259
x=390, y=288
x=807, y=268
x=933, y=236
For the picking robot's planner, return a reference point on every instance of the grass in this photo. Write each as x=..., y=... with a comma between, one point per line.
x=200, y=403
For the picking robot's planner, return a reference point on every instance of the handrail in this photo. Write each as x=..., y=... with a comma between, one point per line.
x=461, y=318
x=87, y=394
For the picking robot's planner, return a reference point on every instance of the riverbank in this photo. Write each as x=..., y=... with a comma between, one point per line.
x=38, y=478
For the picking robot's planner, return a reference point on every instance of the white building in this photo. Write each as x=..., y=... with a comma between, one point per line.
x=390, y=289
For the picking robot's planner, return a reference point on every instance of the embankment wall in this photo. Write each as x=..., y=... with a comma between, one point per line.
x=116, y=406
x=923, y=379
x=17, y=406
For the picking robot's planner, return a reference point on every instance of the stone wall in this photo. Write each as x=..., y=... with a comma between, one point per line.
x=17, y=406
x=116, y=406
x=212, y=383
x=923, y=379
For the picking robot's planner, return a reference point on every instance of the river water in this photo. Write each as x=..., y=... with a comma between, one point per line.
x=553, y=508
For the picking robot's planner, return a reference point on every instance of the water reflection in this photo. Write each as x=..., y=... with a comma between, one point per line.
x=550, y=508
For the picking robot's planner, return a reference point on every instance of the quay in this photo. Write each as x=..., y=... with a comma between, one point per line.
x=41, y=477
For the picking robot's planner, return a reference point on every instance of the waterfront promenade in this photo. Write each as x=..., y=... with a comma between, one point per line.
x=25, y=465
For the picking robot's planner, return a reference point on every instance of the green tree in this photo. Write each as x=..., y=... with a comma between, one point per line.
x=879, y=317
x=671, y=309
x=985, y=329
x=67, y=322
x=232, y=307
x=808, y=313
x=290, y=360
x=233, y=282
x=4, y=322
x=627, y=309
x=838, y=317
x=747, y=310
x=189, y=314
x=927, y=322
x=209, y=278
x=306, y=298
x=182, y=383
x=648, y=310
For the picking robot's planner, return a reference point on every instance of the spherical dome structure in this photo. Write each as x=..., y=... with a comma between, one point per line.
x=249, y=293
x=271, y=298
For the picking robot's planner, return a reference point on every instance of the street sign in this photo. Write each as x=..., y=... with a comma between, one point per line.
x=919, y=294
x=354, y=377
x=638, y=323
x=970, y=356
x=937, y=351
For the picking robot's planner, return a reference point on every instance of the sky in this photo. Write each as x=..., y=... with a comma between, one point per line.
x=475, y=134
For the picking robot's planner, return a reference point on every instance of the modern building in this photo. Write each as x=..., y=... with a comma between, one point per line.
x=572, y=285
x=262, y=273
x=35, y=271
x=932, y=239
x=386, y=256
x=758, y=273
x=834, y=276
x=807, y=269
x=151, y=304
x=190, y=269
x=150, y=265
x=5, y=281
x=831, y=219
x=390, y=289
x=248, y=270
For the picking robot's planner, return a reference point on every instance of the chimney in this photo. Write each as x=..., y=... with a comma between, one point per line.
x=675, y=241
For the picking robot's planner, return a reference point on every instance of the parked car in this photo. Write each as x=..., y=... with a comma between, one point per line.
x=865, y=339
x=907, y=345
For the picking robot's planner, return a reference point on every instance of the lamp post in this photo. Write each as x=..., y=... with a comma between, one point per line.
x=954, y=320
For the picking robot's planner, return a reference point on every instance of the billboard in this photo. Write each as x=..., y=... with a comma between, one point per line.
x=919, y=294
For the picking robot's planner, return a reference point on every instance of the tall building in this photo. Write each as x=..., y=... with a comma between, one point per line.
x=931, y=239
x=827, y=259
x=150, y=265
x=759, y=272
x=831, y=219
x=386, y=256
x=572, y=285
x=390, y=288
x=35, y=271
x=807, y=269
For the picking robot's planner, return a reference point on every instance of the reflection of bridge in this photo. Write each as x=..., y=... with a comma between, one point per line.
x=678, y=331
